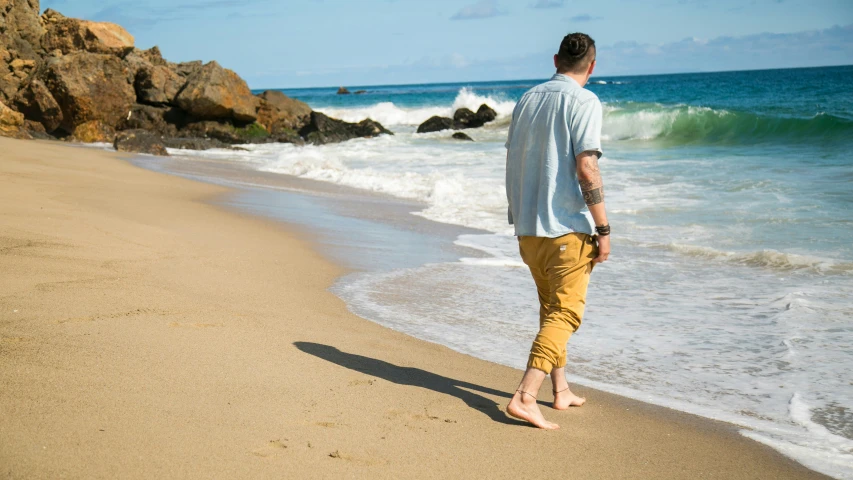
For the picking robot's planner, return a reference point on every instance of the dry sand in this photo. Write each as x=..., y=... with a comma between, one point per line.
x=145, y=333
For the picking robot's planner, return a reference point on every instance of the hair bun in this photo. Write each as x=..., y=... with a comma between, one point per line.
x=577, y=47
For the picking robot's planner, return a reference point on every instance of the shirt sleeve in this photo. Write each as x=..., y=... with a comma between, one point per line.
x=586, y=127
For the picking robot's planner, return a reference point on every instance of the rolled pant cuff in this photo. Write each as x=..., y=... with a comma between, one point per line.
x=540, y=363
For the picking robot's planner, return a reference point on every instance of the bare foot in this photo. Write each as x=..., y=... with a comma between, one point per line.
x=524, y=407
x=565, y=399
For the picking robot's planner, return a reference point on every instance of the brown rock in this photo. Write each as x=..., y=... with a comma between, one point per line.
x=186, y=69
x=20, y=39
x=140, y=141
x=95, y=131
x=11, y=123
x=20, y=28
x=158, y=85
x=34, y=127
x=214, y=92
x=89, y=86
x=461, y=136
x=278, y=112
x=343, y=91
x=36, y=103
x=21, y=64
x=71, y=35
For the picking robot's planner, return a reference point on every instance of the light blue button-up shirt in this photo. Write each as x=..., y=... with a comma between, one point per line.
x=551, y=124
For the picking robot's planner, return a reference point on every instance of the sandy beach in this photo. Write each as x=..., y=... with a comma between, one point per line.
x=145, y=333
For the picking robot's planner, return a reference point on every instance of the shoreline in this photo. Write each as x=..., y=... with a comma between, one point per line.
x=154, y=302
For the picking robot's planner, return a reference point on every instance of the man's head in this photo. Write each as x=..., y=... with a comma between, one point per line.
x=576, y=55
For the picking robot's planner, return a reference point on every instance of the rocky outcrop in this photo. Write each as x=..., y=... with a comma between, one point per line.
x=322, y=129
x=140, y=141
x=461, y=136
x=84, y=81
x=279, y=113
x=343, y=91
x=216, y=93
x=68, y=35
x=435, y=124
x=462, y=118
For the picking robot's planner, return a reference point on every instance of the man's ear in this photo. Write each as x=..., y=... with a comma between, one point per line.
x=556, y=62
x=591, y=68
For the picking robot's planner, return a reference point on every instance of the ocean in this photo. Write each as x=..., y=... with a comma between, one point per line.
x=729, y=290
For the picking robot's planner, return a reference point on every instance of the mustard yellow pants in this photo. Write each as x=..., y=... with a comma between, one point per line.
x=561, y=268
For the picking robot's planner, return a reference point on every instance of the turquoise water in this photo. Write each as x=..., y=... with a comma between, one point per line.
x=730, y=289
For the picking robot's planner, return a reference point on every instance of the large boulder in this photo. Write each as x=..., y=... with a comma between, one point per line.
x=214, y=93
x=156, y=81
x=140, y=141
x=70, y=35
x=435, y=124
x=278, y=112
x=486, y=113
x=89, y=86
x=158, y=85
x=11, y=123
x=465, y=118
x=37, y=103
x=322, y=129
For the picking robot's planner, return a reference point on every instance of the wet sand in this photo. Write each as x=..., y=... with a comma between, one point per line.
x=145, y=332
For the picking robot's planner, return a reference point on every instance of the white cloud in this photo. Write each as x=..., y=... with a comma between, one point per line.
x=585, y=18
x=548, y=4
x=481, y=9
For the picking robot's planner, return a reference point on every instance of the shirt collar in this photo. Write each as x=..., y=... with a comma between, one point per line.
x=565, y=78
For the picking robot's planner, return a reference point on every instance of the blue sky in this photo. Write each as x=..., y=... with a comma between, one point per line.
x=367, y=42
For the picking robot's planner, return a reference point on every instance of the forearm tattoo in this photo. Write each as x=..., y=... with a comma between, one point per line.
x=594, y=196
x=592, y=186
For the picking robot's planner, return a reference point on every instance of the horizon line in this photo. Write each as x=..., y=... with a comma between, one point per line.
x=352, y=86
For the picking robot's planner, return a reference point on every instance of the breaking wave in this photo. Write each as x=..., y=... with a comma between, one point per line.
x=388, y=113
x=682, y=124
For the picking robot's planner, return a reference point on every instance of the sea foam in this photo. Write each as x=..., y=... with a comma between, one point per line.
x=389, y=114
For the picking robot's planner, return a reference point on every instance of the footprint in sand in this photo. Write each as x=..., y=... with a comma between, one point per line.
x=272, y=448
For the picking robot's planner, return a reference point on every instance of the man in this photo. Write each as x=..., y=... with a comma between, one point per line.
x=556, y=202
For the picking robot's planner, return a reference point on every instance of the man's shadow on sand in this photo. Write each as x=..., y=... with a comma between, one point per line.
x=414, y=377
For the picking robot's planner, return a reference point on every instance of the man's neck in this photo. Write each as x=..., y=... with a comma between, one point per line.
x=581, y=79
